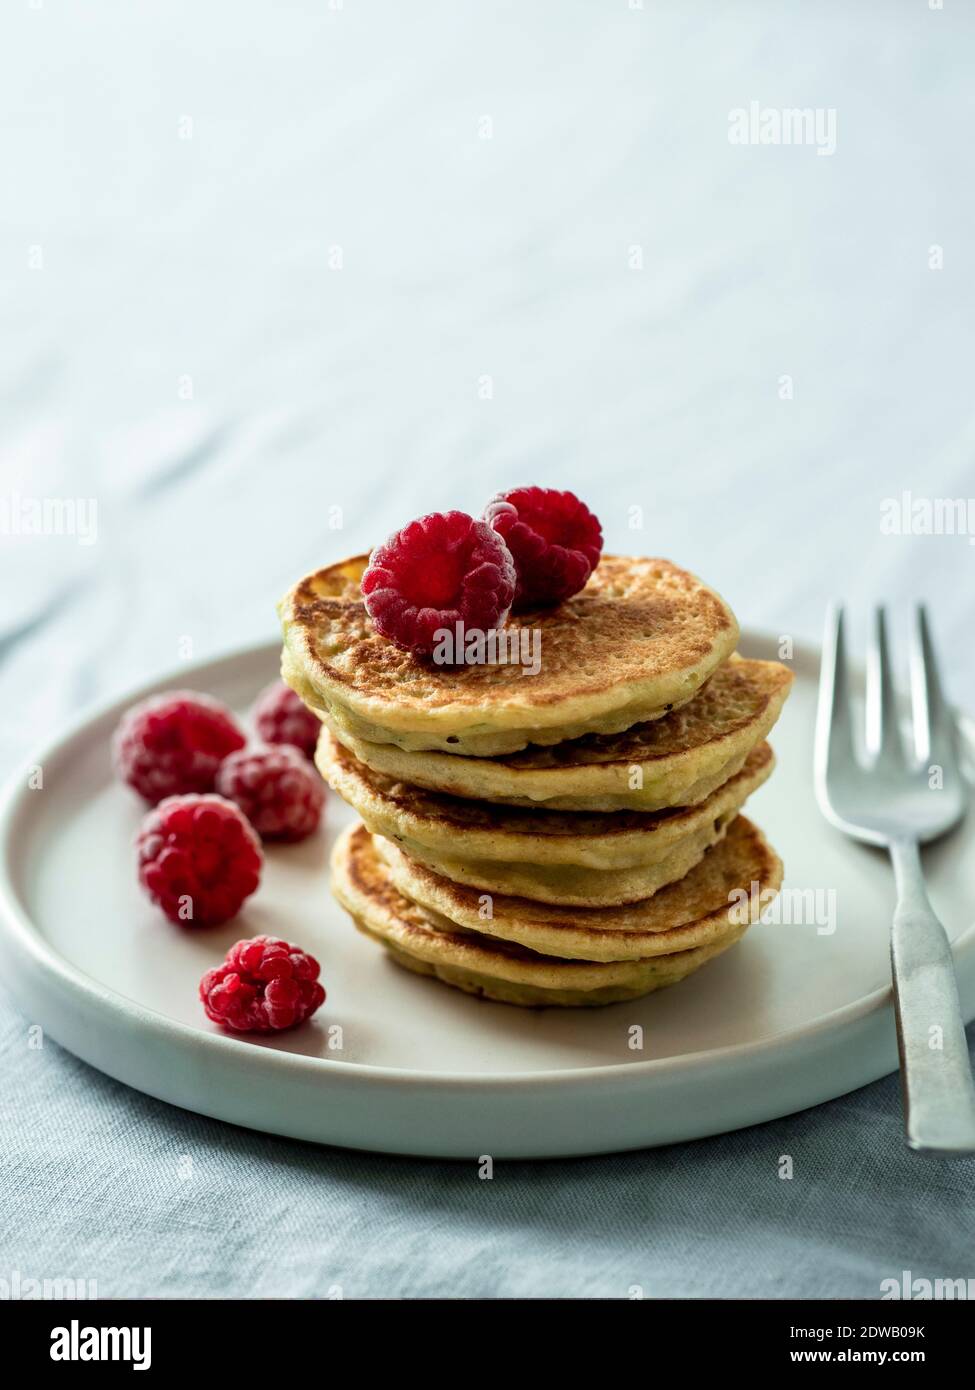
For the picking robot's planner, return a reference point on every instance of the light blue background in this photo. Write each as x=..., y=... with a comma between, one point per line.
x=171, y=266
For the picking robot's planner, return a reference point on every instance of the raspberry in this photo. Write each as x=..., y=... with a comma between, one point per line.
x=441, y=570
x=174, y=743
x=263, y=985
x=554, y=539
x=281, y=716
x=277, y=789
x=198, y=859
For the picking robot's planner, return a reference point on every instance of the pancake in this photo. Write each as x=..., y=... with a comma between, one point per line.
x=566, y=857
x=489, y=967
x=639, y=640
x=678, y=760
x=698, y=910
x=475, y=830
x=567, y=885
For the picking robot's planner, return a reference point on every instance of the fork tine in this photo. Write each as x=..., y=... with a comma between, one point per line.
x=834, y=722
x=934, y=727
x=882, y=738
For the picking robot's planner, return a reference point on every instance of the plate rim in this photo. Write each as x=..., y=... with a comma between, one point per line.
x=25, y=938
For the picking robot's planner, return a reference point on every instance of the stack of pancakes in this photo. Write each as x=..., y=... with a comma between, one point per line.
x=568, y=837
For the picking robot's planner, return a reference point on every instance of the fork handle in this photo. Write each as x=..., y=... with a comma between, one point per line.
x=939, y=1096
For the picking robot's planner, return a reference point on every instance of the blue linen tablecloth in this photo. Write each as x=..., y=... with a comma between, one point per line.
x=275, y=281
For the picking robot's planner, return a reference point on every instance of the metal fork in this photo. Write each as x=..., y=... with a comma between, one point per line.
x=899, y=802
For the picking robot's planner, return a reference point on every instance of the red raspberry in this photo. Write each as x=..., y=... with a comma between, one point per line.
x=554, y=538
x=174, y=743
x=441, y=570
x=263, y=985
x=277, y=789
x=281, y=716
x=198, y=859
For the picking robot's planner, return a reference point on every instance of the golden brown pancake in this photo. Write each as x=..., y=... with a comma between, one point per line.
x=675, y=761
x=699, y=909
x=574, y=858
x=491, y=967
x=483, y=830
x=567, y=885
x=639, y=640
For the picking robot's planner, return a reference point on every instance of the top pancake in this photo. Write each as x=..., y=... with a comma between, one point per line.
x=639, y=640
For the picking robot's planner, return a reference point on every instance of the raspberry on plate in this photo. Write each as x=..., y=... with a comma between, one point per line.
x=444, y=569
x=277, y=789
x=554, y=539
x=281, y=716
x=173, y=743
x=198, y=859
x=263, y=985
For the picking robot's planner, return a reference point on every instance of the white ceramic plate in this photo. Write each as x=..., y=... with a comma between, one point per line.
x=792, y=1017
